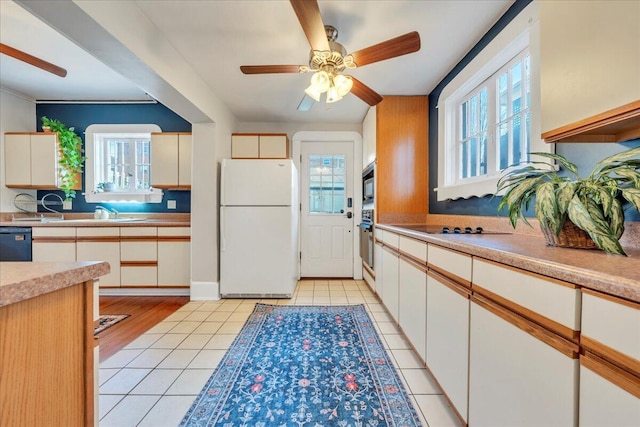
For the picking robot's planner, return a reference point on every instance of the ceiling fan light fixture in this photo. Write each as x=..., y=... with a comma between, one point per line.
x=313, y=93
x=333, y=95
x=321, y=81
x=343, y=84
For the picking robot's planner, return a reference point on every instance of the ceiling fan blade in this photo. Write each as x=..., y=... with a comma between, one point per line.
x=308, y=14
x=364, y=92
x=269, y=69
x=402, y=45
x=32, y=60
x=305, y=103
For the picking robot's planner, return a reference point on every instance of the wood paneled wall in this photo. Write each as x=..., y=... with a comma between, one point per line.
x=402, y=141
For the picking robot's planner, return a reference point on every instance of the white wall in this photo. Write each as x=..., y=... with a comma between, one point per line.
x=17, y=115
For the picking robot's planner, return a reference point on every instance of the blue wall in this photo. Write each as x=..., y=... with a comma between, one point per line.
x=584, y=155
x=80, y=116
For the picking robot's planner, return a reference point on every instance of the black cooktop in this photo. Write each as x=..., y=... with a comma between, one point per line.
x=438, y=229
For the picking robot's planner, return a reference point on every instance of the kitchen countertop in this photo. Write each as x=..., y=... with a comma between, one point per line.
x=593, y=269
x=20, y=281
x=87, y=220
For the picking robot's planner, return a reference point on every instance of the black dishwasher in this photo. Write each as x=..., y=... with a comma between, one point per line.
x=15, y=243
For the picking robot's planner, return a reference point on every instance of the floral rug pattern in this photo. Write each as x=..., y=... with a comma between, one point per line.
x=304, y=366
x=108, y=320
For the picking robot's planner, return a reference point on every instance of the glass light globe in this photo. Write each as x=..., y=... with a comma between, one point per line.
x=343, y=83
x=320, y=80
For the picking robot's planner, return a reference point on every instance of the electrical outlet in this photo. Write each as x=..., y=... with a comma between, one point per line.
x=171, y=204
x=67, y=205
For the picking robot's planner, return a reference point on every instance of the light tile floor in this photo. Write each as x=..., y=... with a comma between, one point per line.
x=154, y=380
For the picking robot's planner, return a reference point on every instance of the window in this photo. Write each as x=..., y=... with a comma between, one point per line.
x=488, y=115
x=118, y=167
x=326, y=184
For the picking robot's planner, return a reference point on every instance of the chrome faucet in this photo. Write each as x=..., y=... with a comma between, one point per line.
x=115, y=213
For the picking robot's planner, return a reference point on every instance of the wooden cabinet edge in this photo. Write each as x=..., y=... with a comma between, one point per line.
x=632, y=304
x=449, y=283
x=545, y=322
x=612, y=373
x=448, y=275
x=564, y=346
x=611, y=355
x=609, y=123
x=412, y=261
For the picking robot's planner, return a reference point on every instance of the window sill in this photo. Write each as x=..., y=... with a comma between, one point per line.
x=152, y=196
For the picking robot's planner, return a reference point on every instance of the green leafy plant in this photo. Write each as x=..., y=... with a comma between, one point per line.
x=71, y=157
x=593, y=203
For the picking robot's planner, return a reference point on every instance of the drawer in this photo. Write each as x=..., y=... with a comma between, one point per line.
x=139, y=276
x=451, y=264
x=416, y=248
x=138, y=251
x=98, y=232
x=539, y=295
x=37, y=232
x=612, y=323
x=391, y=239
x=174, y=231
x=138, y=231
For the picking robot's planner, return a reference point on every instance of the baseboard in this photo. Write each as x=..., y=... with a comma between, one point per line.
x=205, y=291
x=129, y=292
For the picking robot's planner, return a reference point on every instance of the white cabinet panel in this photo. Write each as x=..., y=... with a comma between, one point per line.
x=390, y=282
x=452, y=263
x=377, y=265
x=391, y=239
x=31, y=160
x=102, y=251
x=412, y=305
x=17, y=159
x=614, y=324
x=413, y=247
x=44, y=160
x=448, y=339
x=245, y=146
x=184, y=159
x=550, y=298
x=139, y=275
x=138, y=251
x=174, y=263
x=603, y=403
x=516, y=379
x=53, y=244
x=274, y=147
x=171, y=160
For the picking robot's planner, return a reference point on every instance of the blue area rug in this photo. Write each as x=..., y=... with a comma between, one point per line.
x=304, y=366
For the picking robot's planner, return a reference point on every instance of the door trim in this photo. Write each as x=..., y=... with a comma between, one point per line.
x=302, y=137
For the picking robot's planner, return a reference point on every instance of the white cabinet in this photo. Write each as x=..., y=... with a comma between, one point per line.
x=610, y=365
x=31, y=160
x=138, y=256
x=259, y=146
x=390, y=268
x=100, y=244
x=174, y=256
x=448, y=337
x=519, y=373
x=377, y=260
x=412, y=292
x=51, y=244
x=604, y=69
x=171, y=160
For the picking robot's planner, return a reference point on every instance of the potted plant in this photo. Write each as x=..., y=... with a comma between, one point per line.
x=105, y=187
x=574, y=211
x=70, y=155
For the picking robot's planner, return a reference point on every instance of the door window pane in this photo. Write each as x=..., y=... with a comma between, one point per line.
x=326, y=183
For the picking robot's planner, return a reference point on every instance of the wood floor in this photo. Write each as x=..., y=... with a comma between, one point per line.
x=145, y=312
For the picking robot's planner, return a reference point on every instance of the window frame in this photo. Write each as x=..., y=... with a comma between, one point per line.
x=151, y=195
x=520, y=35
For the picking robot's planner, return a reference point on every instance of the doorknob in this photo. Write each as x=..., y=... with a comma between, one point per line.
x=349, y=214
x=341, y=210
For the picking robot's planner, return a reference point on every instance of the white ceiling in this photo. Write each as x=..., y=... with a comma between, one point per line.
x=215, y=37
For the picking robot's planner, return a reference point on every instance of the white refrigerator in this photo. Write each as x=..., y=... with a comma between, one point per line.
x=259, y=216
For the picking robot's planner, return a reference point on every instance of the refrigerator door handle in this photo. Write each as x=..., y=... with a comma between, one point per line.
x=222, y=231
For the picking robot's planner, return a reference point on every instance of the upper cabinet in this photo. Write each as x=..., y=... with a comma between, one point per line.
x=369, y=138
x=590, y=70
x=402, y=159
x=171, y=160
x=31, y=160
x=259, y=146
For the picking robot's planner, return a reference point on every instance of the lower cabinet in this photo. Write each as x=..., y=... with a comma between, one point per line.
x=174, y=256
x=139, y=256
x=448, y=337
x=412, y=303
x=390, y=281
x=377, y=262
x=100, y=244
x=520, y=374
x=51, y=244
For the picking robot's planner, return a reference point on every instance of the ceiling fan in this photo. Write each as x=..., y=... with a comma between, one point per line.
x=328, y=58
x=32, y=60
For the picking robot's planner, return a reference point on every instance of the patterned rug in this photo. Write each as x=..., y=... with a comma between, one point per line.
x=108, y=320
x=304, y=366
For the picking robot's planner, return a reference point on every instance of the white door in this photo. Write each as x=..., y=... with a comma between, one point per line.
x=326, y=219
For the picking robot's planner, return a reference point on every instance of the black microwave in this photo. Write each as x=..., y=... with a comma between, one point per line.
x=367, y=189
